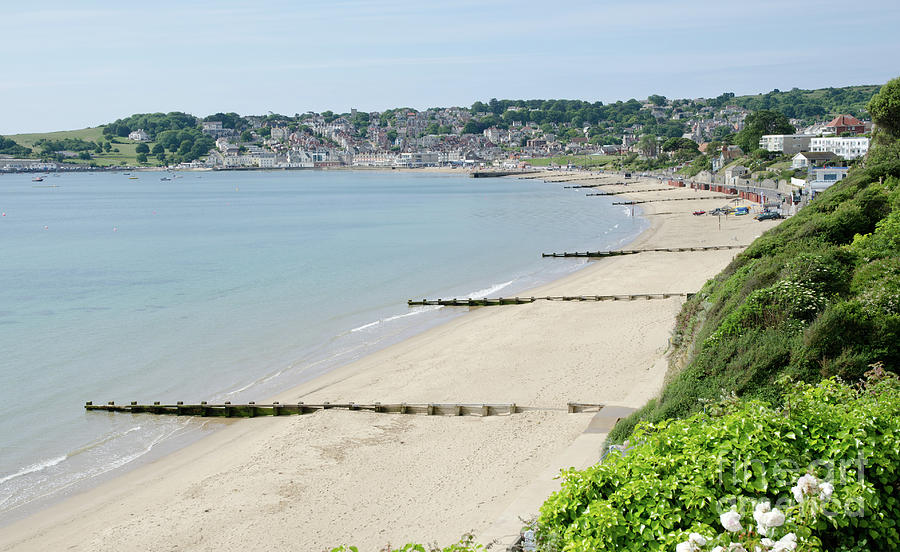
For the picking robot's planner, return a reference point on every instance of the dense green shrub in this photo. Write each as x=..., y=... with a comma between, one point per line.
x=679, y=475
x=816, y=296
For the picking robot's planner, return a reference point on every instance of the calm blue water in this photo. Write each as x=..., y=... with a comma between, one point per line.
x=231, y=286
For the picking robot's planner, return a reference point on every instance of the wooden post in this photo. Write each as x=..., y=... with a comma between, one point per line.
x=458, y=410
x=484, y=410
x=402, y=408
x=512, y=408
x=378, y=407
x=571, y=408
x=430, y=409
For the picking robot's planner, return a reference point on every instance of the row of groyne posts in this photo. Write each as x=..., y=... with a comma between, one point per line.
x=251, y=409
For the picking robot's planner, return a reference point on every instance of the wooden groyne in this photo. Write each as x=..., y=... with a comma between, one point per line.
x=252, y=410
x=673, y=199
x=616, y=252
x=630, y=192
x=497, y=174
x=486, y=302
x=596, y=185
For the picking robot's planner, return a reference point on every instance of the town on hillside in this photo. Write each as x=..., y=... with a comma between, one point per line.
x=796, y=138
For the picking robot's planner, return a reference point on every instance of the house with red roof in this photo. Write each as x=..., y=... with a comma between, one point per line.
x=846, y=123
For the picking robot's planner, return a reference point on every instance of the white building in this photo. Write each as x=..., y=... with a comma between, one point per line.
x=848, y=148
x=374, y=159
x=139, y=135
x=824, y=179
x=418, y=159
x=806, y=158
x=787, y=144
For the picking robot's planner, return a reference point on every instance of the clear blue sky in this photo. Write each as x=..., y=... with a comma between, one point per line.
x=69, y=65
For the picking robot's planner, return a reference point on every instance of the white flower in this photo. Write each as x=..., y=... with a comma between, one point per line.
x=768, y=543
x=736, y=547
x=697, y=539
x=686, y=546
x=761, y=509
x=808, y=484
x=786, y=543
x=825, y=491
x=775, y=518
x=731, y=521
x=718, y=549
x=798, y=493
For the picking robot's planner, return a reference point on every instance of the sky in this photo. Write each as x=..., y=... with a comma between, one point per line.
x=69, y=65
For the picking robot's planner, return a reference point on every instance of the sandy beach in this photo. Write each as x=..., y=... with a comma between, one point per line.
x=337, y=477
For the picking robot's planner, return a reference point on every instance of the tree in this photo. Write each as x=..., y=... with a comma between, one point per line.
x=142, y=158
x=10, y=147
x=884, y=108
x=759, y=123
x=246, y=136
x=142, y=148
x=84, y=156
x=158, y=149
x=107, y=146
x=647, y=145
x=656, y=99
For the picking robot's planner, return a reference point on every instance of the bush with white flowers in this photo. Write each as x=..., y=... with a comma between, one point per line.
x=819, y=473
x=773, y=530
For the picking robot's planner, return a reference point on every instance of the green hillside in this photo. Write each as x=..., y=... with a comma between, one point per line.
x=125, y=156
x=808, y=104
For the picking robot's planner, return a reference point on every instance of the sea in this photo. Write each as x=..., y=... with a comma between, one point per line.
x=234, y=286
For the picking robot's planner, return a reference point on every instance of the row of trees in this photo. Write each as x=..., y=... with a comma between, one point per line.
x=152, y=123
x=807, y=104
x=9, y=146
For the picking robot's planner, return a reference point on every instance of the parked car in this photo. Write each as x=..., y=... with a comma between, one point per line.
x=699, y=212
x=768, y=215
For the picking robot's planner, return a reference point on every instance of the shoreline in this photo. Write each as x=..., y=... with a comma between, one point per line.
x=471, y=358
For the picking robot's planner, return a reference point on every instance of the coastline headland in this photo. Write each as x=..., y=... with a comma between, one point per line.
x=367, y=478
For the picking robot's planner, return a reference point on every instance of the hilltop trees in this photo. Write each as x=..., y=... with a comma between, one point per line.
x=152, y=123
x=228, y=120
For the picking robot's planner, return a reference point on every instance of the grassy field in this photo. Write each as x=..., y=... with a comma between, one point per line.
x=578, y=160
x=125, y=156
x=93, y=134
